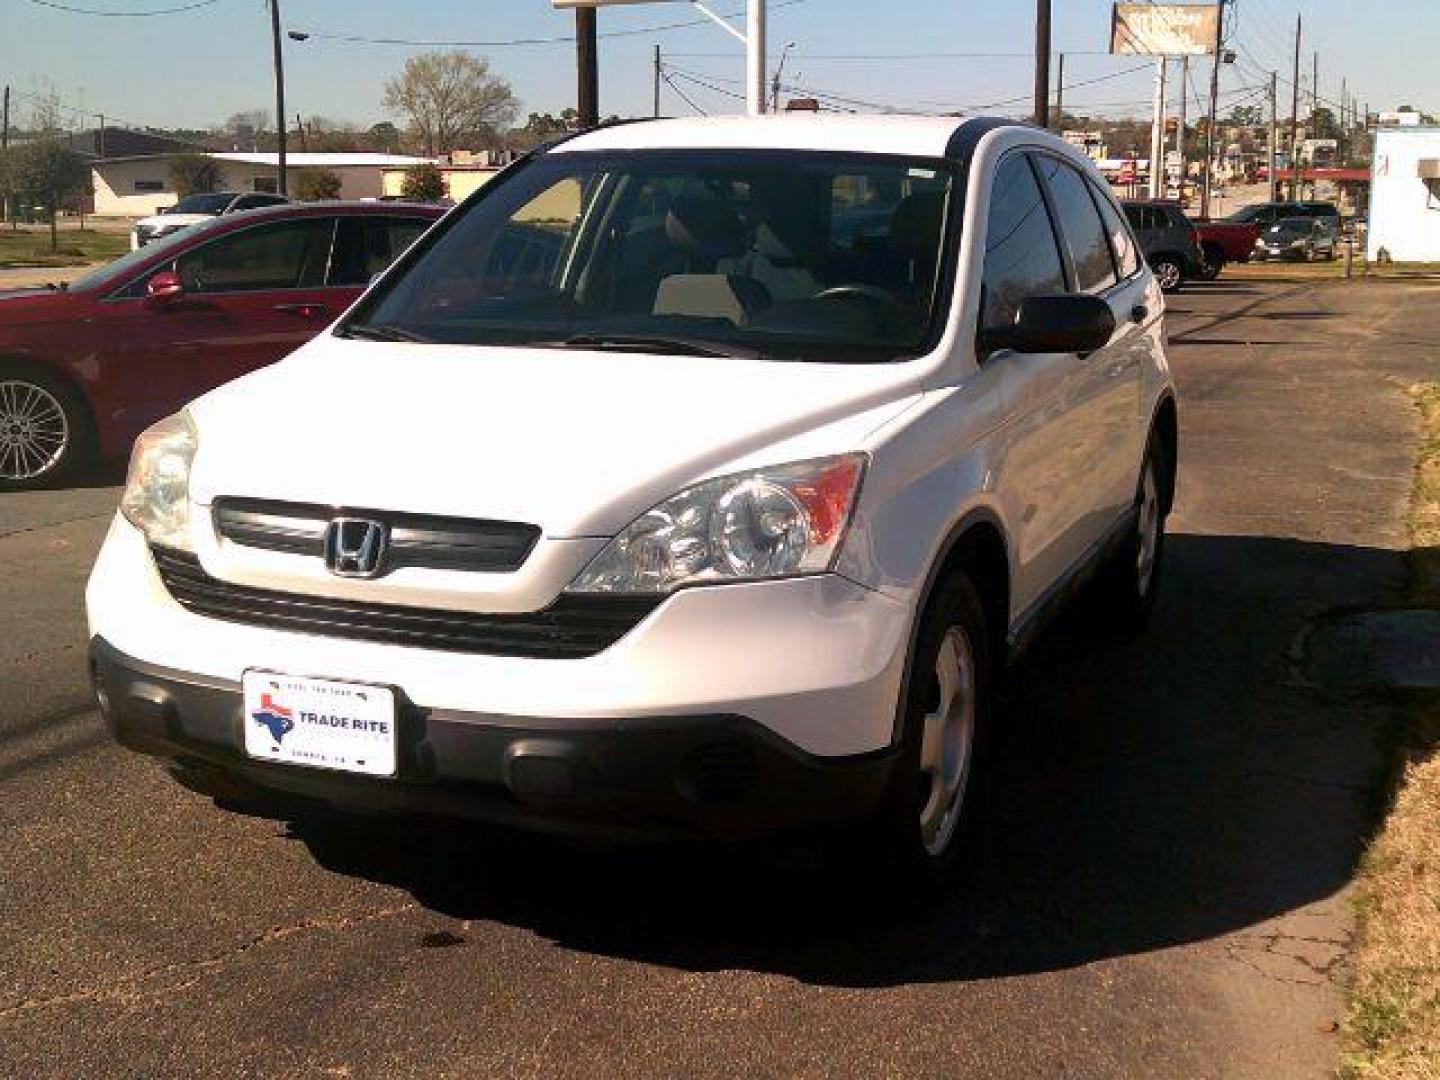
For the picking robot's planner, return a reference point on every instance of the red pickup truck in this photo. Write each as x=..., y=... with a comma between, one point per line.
x=1222, y=242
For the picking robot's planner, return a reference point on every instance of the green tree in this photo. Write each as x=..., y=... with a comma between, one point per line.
x=313, y=185
x=449, y=97
x=1247, y=116
x=1323, y=124
x=385, y=137
x=423, y=183
x=47, y=173
x=195, y=174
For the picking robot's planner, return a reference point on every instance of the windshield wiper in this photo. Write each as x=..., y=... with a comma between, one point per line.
x=672, y=346
x=367, y=332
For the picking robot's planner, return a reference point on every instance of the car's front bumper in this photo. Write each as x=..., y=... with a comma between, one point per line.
x=806, y=673
x=715, y=775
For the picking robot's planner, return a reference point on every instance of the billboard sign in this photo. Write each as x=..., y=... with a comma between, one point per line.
x=1164, y=29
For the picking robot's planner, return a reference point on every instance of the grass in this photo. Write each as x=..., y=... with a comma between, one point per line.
x=1392, y=1026
x=30, y=246
x=1312, y=271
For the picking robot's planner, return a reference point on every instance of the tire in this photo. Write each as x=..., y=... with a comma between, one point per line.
x=921, y=832
x=45, y=429
x=1129, y=581
x=1169, y=272
x=1211, y=263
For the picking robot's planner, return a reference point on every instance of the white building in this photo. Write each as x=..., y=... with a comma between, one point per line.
x=136, y=186
x=1405, y=195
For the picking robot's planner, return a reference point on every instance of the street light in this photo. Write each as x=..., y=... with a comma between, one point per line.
x=775, y=83
x=280, y=185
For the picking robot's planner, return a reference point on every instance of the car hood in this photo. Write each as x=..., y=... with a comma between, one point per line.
x=579, y=443
x=19, y=307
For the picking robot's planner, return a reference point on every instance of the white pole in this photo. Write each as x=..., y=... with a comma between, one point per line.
x=755, y=58
x=1157, y=133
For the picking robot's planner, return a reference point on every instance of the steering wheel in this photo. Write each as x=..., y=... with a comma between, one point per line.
x=864, y=292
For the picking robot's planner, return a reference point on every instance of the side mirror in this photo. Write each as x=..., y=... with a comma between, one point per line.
x=1071, y=323
x=164, y=286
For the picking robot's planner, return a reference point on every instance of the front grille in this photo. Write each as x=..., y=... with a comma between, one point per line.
x=572, y=627
x=420, y=540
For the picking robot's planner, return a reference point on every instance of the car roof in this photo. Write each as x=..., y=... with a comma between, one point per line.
x=913, y=136
x=282, y=211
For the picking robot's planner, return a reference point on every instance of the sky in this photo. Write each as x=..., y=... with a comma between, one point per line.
x=194, y=68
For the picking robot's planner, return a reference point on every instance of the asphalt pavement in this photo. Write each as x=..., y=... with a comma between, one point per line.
x=1159, y=890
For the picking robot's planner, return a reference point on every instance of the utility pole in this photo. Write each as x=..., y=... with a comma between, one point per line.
x=1060, y=94
x=300, y=127
x=1295, y=118
x=587, y=95
x=280, y=123
x=1042, y=63
x=1180, y=120
x=1314, y=127
x=656, y=112
x=1274, y=143
x=755, y=57
x=1214, y=103
x=5, y=145
x=1157, y=131
x=1342, y=131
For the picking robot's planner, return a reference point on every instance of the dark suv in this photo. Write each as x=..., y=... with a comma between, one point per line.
x=1267, y=214
x=1168, y=239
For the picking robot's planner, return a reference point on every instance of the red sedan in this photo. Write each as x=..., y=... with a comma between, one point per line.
x=85, y=369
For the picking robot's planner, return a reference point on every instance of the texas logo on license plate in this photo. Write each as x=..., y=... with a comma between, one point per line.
x=321, y=723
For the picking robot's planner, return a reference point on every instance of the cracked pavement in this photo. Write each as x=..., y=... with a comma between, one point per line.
x=1160, y=889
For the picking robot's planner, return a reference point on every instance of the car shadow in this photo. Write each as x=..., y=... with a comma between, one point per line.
x=1145, y=792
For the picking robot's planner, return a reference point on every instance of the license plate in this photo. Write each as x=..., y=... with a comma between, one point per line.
x=321, y=723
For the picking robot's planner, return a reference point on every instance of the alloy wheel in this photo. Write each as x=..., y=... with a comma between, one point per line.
x=947, y=742
x=1149, y=530
x=34, y=431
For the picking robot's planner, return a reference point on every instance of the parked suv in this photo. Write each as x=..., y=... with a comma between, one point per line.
x=645, y=494
x=1266, y=214
x=1169, y=240
x=196, y=209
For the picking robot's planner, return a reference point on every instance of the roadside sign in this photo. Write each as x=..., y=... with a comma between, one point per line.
x=1164, y=29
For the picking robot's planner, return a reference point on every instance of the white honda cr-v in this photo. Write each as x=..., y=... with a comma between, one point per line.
x=694, y=477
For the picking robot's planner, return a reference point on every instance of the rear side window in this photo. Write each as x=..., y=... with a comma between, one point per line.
x=285, y=255
x=367, y=245
x=1021, y=257
x=1127, y=259
x=1080, y=225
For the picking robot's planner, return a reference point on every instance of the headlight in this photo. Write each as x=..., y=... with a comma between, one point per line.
x=769, y=523
x=157, y=487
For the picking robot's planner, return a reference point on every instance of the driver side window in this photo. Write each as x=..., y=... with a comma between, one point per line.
x=1022, y=257
x=285, y=255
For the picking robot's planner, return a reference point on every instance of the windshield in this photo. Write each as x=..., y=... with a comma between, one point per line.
x=1293, y=226
x=1249, y=213
x=209, y=203
x=121, y=268
x=737, y=253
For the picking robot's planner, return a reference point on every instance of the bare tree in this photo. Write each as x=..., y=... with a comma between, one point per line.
x=448, y=96
x=246, y=128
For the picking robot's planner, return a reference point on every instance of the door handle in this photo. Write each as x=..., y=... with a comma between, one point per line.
x=1139, y=313
x=305, y=311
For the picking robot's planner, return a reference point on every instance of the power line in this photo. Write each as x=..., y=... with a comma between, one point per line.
x=558, y=39
x=72, y=10
x=683, y=96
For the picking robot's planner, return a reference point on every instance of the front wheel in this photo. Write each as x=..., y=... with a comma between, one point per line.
x=1129, y=580
x=920, y=831
x=1211, y=263
x=44, y=429
x=1169, y=273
